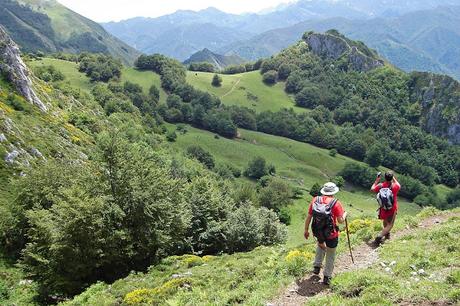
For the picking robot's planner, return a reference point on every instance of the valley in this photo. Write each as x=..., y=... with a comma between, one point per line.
x=130, y=179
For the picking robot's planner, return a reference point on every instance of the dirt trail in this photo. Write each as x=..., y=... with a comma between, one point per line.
x=232, y=89
x=365, y=256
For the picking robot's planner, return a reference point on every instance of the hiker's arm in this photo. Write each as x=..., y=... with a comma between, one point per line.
x=342, y=219
x=395, y=181
x=376, y=184
x=307, y=226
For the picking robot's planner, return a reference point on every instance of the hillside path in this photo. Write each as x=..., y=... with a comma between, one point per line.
x=365, y=256
x=232, y=89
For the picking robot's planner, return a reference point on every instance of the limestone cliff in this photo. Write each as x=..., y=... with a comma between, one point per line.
x=337, y=47
x=12, y=66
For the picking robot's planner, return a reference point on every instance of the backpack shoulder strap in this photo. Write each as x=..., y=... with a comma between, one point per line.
x=332, y=203
x=319, y=200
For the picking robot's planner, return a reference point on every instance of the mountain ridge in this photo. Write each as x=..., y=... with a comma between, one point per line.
x=47, y=26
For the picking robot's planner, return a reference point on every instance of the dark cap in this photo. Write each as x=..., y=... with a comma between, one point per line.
x=388, y=176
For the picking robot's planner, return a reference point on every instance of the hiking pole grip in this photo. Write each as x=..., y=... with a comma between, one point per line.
x=349, y=243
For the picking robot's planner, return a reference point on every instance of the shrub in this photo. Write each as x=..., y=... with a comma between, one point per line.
x=171, y=136
x=100, y=67
x=49, y=74
x=333, y=152
x=315, y=190
x=256, y=168
x=276, y=194
x=248, y=227
x=270, y=77
x=216, y=80
x=201, y=155
x=156, y=295
x=298, y=262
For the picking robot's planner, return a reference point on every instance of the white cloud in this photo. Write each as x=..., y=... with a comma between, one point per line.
x=103, y=10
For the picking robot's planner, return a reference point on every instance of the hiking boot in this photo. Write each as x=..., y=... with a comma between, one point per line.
x=387, y=236
x=327, y=280
x=377, y=241
x=316, y=270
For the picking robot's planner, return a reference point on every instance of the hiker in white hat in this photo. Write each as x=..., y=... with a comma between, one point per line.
x=325, y=211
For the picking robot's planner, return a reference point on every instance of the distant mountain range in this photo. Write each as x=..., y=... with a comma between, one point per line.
x=426, y=40
x=185, y=32
x=219, y=61
x=46, y=25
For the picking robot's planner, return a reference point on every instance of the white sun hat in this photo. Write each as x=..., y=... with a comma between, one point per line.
x=329, y=189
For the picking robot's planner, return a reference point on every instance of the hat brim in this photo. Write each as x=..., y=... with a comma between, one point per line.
x=336, y=189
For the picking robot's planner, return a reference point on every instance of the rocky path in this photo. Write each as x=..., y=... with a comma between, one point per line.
x=365, y=256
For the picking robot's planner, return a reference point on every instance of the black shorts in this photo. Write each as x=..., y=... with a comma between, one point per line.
x=332, y=243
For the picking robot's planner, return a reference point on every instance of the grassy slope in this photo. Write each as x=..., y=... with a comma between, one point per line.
x=299, y=163
x=235, y=89
x=81, y=81
x=436, y=251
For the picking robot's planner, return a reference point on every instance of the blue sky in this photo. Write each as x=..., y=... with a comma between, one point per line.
x=103, y=10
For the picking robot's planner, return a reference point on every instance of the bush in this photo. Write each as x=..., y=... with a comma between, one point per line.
x=248, y=227
x=203, y=67
x=298, y=263
x=216, y=81
x=315, y=190
x=333, y=152
x=171, y=136
x=270, y=77
x=49, y=74
x=100, y=67
x=201, y=155
x=275, y=195
x=257, y=168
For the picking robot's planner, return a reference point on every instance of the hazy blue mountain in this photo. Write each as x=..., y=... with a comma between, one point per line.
x=423, y=40
x=150, y=35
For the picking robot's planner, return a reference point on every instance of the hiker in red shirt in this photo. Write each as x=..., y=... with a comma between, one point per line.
x=387, y=196
x=325, y=211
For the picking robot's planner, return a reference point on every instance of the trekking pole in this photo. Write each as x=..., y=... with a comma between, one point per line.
x=349, y=243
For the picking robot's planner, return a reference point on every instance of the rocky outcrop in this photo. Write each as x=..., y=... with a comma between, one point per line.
x=360, y=62
x=439, y=97
x=335, y=47
x=16, y=71
x=328, y=46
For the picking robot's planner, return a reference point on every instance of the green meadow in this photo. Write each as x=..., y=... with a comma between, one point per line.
x=245, y=89
x=300, y=164
x=80, y=81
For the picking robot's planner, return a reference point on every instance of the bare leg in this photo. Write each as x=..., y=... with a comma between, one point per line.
x=388, y=225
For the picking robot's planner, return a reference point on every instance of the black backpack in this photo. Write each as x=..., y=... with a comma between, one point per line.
x=385, y=198
x=322, y=225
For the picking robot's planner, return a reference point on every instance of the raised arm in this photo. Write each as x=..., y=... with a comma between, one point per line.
x=376, y=182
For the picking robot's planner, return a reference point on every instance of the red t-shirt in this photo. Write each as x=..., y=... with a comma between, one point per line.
x=337, y=212
x=384, y=214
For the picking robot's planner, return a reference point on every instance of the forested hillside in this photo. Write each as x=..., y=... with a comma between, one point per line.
x=47, y=26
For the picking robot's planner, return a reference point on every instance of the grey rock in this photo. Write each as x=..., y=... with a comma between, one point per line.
x=16, y=71
x=362, y=62
x=2, y=137
x=11, y=156
x=334, y=47
x=36, y=153
x=453, y=133
x=326, y=45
